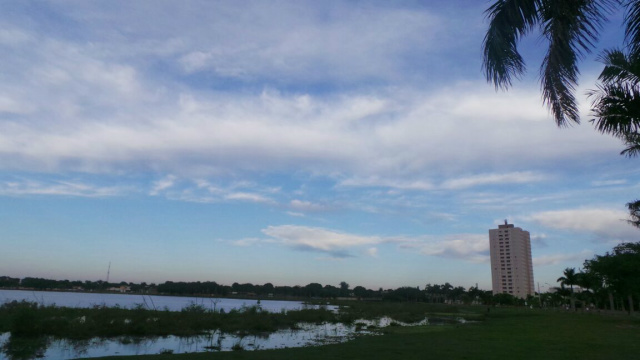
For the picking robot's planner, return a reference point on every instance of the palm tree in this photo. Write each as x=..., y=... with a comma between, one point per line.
x=570, y=278
x=616, y=106
x=590, y=282
x=571, y=29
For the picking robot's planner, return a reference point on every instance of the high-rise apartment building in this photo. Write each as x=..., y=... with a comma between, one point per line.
x=511, y=267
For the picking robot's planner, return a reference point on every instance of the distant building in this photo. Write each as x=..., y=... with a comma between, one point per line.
x=120, y=289
x=511, y=267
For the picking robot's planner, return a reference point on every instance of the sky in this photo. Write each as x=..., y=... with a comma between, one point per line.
x=288, y=142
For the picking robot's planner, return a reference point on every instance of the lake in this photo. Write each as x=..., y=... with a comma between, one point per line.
x=173, y=303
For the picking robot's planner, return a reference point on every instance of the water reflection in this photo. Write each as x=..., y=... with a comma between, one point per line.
x=17, y=348
x=58, y=349
x=303, y=335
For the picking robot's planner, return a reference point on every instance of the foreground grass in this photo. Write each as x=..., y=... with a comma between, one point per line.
x=506, y=333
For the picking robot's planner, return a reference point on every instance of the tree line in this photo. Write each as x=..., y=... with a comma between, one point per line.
x=432, y=293
x=610, y=281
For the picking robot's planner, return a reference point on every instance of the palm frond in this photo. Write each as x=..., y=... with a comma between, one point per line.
x=616, y=108
x=620, y=67
x=634, y=212
x=632, y=21
x=572, y=28
x=632, y=141
x=509, y=21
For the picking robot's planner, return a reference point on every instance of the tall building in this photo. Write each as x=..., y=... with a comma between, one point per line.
x=511, y=267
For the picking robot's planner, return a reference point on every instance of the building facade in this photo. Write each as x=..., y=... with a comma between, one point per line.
x=511, y=266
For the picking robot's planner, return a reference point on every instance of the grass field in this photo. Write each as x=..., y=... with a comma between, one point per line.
x=504, y=334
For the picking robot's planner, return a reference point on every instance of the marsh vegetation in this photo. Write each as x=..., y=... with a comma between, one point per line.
x=31, y=327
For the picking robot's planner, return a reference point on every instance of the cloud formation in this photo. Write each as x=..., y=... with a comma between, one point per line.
x=22, y=187
x=554, y=259
x=98, y=107
x=318, y=239
x=604, y=224
x=469, y=247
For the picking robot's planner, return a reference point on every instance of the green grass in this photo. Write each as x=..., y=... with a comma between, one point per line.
x=504, y=334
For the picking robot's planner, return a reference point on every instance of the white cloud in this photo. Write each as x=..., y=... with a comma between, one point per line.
x=162, y=184
x=204, y=191
x=604, y=224
x=398, y=139
x=294, y=43
x=318, y=239
x=493, y=179
x=555, y=259
x=539, y=240
x=306, y=206
x=609, y=182
x=246, y=242
x=58, y=188
x=377, y=181
x=100, y=107
x=250, y=197
x=471, y=247
x=518, y=177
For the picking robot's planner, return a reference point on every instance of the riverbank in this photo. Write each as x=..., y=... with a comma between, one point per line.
x=505, y=333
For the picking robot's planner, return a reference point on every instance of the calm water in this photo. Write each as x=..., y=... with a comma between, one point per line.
x=48, y=349
x=55, y=349
x=173, y=303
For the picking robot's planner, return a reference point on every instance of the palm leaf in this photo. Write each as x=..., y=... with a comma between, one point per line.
x=634, y=211
x=616, y=109
x=620, y=67
x=509, y=21
x=632, y=21
x=571, y=27
x=632, y=141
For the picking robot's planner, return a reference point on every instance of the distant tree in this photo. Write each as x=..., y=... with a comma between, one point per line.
x=9, y=282
x=344, y=289
x=313, y=290
x=570, y=278
x=330, y=291
x=361, y=292
x=405, y=293
x=620, y=270
x=591, y=284
x=268, y=288
x=506, y=299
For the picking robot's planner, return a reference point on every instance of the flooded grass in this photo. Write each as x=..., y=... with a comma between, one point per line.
x=505, y=334
x=27, y=319
x=59, y=332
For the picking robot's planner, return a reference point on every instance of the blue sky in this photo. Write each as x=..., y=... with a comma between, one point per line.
x=287, y=142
